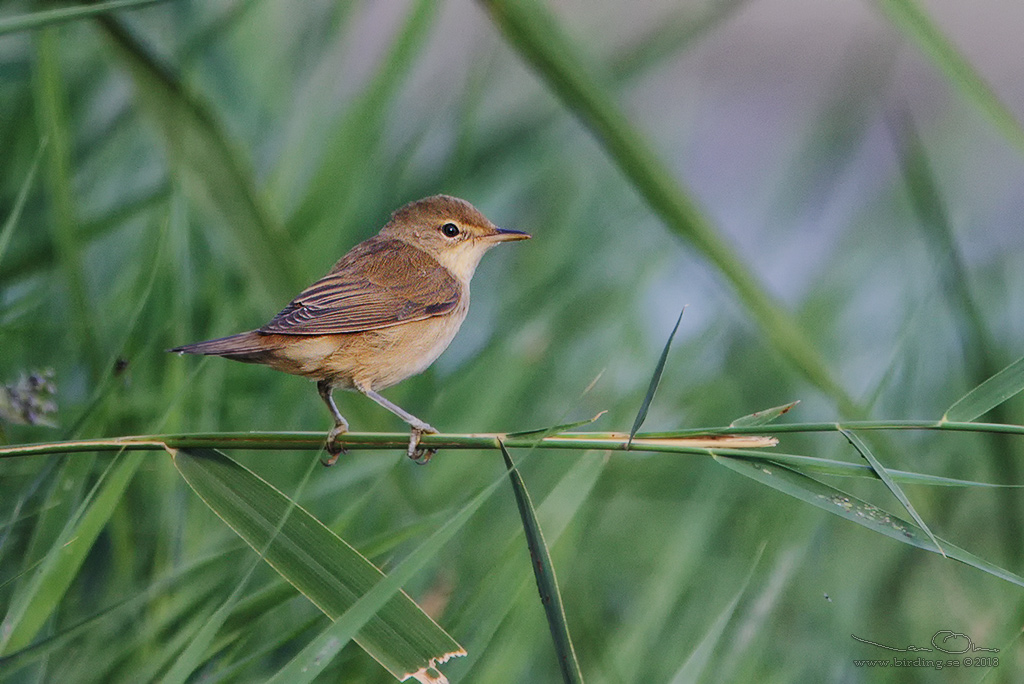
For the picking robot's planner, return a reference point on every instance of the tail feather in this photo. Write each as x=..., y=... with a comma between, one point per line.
x=247, y=346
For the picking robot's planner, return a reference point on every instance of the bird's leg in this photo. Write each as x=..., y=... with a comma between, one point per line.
x=419, y=428
x=340, y=424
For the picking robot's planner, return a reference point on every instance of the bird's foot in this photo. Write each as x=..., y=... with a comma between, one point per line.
x=333, y=448
x=420, y=455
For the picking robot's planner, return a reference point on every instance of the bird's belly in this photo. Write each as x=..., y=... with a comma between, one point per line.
x=373, y=359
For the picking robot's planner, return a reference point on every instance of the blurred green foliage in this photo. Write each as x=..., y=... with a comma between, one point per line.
x=198, y=163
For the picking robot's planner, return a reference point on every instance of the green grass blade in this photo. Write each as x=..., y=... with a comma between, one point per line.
x=321, y=565
x=555, y=429
x=53, y=577
x=506, y=582
x=544, y=572
x=35, y=20
x=315, y=656
x=211, y=169
x=837, y=502
x=885, y=477
x=659, y=369
x=989, y=394
x=909, y=17
x=825, y=466
x=763, y=417
x=977, y=344
x=19, y=203
x=62, y=482
x=531, y=29
x=194, y=655
x=105, y=384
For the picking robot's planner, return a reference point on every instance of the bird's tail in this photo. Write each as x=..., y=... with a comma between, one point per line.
x=250, y=347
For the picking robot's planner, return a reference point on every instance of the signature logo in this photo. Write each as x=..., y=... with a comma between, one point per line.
x=944, y=641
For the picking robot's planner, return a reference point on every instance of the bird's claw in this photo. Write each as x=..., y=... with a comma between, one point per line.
x=333, y=447
x=420, y=455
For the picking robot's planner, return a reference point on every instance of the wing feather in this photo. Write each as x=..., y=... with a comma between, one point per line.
x=379, y=283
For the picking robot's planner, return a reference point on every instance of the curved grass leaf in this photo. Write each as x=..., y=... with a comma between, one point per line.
x=544, y=571
x=840, y=503
x=321, y=565
x=641, y=415
x=826, y=466
x=763, y=417
x=953, y=277
x=989, y=394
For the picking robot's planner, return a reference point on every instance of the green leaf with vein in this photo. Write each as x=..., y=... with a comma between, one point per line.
x=763, y=417
x=321, y=565
x=508, y=580
x=191, y=658
x=883, y=475
x=837, y=502
x=989, y=394
x=315, y=656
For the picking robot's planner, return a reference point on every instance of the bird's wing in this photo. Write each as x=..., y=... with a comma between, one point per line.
x=378, y=284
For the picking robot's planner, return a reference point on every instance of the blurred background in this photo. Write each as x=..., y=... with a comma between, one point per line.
x=205, y=161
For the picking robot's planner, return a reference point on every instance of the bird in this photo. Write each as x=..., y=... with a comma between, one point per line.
x=384, y=312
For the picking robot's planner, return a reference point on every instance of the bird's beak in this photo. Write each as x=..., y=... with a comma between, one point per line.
x=506, y=235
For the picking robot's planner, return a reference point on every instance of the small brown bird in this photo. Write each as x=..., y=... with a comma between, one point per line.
x=384, y=312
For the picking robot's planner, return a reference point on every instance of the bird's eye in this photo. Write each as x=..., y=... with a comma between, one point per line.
x=449, y=230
